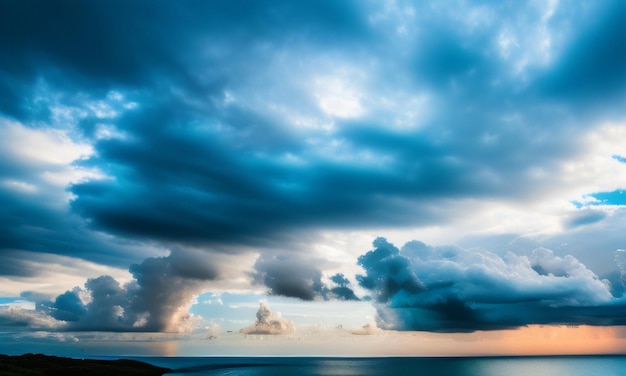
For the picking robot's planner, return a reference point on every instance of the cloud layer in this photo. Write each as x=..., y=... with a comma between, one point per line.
x=324, y=115
x=420, y=287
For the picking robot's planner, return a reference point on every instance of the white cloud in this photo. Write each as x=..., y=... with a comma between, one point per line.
x=339, y=96
x=269, y=322
x=594, y=169
x=40, y=146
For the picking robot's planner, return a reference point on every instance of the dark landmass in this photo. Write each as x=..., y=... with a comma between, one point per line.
x=44, y=365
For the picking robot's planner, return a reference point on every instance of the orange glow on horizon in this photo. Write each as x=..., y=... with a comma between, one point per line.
x=574, y=340
x=530, y=340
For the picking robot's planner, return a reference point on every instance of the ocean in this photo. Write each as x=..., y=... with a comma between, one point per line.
x=395, y=366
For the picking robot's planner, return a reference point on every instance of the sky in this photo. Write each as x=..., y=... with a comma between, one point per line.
x=358, y=177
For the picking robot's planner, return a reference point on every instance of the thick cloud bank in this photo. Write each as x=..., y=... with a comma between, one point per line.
x=269, y=322
x=420, y=287
x=156, y=300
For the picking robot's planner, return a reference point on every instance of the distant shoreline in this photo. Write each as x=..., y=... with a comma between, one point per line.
x=39, y=364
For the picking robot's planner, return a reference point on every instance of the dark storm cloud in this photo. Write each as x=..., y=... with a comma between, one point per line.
x=156, y=300
x=289, y=276
x=452, y=289
x=179, y=181
x=299, y=277
x=130, y=43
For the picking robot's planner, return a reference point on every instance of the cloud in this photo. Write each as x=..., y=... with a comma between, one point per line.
x=128, y=48
x=585, y=217
x=342, y=291
x=592, y=66
x=156, y=300
x=301, y=278
x=453, y=289
x=269, y=322
x=28, y=274
x=288, y=276
x=391, y=272
x=268, y=157
x=37, y=165
x=17, y=317
x=257, y=176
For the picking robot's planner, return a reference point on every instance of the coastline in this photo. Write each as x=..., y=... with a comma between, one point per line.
x=39, y=364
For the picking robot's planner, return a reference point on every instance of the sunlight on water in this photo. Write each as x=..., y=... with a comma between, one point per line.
x=510, y=366
x=570, y=366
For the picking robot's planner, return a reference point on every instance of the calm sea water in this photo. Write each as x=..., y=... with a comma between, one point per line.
x=475, y=366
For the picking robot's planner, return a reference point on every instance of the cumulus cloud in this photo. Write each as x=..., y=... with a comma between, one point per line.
x=156, y=300
x=420, y=287
x=342, y=291
x=269, y=322
x=391, y=273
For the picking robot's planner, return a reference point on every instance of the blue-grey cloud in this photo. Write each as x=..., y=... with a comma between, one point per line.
x=585, y=217
x=237, y=187
x=391, y=275
x=592, y=67
x=453, y=289
x=297, y=277
x=343, y=290
x=202, y=159
x=97, y=46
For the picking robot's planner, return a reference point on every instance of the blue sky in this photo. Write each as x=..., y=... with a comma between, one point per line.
x=434, y=167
